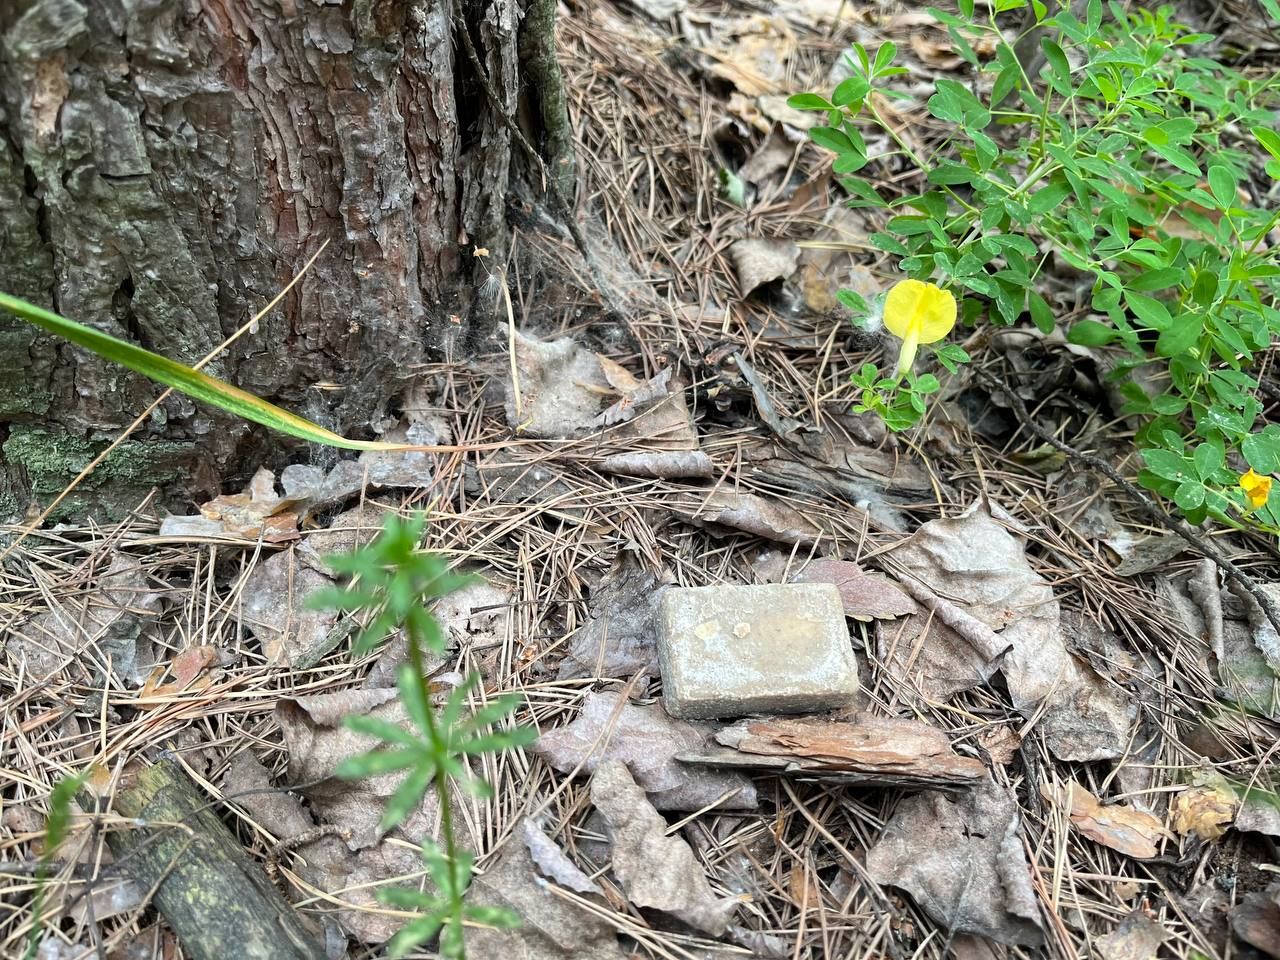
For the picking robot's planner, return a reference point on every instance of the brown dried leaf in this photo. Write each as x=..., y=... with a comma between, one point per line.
x=758, y=262
x=256, y=513
x=1137, y=937
x=1206, y=811
x=977, y=564
x=647, y=740
x=552, y=926
x=1260, y=812
x=274, y=606
x=1256, y=920
x=618, y=640
x=866, y=596
x=756, y=60
x=664, y=465
x=562, y=388
x=552, y=861
x=109, y=614
x=752, y=514
x=656, y=871
x=963, y=862
x=934, y=52
x=1133, y=832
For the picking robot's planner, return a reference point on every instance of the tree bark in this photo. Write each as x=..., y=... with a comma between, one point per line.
x=167, y=165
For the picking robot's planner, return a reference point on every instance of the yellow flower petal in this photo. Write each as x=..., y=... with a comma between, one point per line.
x=1256, y=487
x=924, y=309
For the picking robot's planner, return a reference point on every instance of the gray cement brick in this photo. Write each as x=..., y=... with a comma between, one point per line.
x=735, y=650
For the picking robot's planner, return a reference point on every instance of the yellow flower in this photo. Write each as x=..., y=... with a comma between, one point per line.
x=1256, y=489
x=917, y=312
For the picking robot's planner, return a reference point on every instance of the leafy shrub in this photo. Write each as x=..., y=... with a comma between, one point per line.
x=1123, y=159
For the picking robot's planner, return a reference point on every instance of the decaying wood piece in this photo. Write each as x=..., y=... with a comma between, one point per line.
x=874, y=750
x=218, y=901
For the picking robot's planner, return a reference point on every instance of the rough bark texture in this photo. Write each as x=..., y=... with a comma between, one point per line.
x=165, y=167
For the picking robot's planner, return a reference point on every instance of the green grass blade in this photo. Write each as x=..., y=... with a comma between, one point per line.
x=180, y=377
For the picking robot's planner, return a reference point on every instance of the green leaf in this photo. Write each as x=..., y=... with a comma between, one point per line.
x=1269, y=140
x=884, y=56
x=1057, y=62
x=1167, y=464
x=850, y=90
x=946, y=173
x=1045, y=199
x=1208, y=458
x=376, y=762
x=1189, y=495
x=184, y=379
x=808, y=101
x=1149, y=310
x=1223, y=185
x=1041, y=314
x=833, y=139
x=1091, y=333
x=1262, y=450
x=1181, y=335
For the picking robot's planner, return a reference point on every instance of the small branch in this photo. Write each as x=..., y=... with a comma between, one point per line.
x=1201, y=544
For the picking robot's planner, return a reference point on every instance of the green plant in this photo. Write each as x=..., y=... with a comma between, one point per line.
x=392, y=582
x=188, y=380
x=55, y=831
x=1121, y=160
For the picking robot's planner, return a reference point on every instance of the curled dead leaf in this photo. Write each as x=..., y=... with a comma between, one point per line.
x=1133, y=832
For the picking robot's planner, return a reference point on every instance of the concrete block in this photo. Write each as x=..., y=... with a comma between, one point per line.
x=735, y=650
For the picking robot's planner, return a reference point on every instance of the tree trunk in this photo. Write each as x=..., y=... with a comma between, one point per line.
x=165, y=168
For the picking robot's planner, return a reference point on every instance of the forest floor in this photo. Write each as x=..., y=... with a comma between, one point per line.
x=1102, y=787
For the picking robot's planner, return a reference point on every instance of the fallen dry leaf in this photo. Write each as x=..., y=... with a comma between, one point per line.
x=981, y=567
x=962, y=860
x=274, y=607
x=883, y=750
x=936, y=53
x=562, y=388
x=751, y=514
x=478, y=615
x=552, y=926
x=1259, y=812
x=1133, y=832
x=552, y=861
x=647, y=740
x=866, y=596
x=618, y=639
x=1137, y=937
x=1256, y=920
x=110, y=614
x=755, y=61
x=663, y=465
x=758, y=262
x=1206, y=811
x=655, y=870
